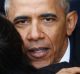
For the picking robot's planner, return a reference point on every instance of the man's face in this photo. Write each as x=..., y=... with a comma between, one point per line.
x=42, y=25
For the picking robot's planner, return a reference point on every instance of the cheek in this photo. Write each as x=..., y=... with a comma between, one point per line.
x=56, y=36
x=55, y=40
x=53, y=35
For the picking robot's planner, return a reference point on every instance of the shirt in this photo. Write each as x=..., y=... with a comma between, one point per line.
x=66, y=56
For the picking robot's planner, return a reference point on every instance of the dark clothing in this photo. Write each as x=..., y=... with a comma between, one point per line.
x=54, y=68
x=11, y=57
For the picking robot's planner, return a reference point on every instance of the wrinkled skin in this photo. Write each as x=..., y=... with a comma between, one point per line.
x=44, y=28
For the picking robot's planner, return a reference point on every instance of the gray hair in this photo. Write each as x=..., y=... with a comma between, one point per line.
x=6, y=5
x=64, y=3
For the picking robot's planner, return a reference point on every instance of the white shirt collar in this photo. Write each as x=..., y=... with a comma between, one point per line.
x=66, y=56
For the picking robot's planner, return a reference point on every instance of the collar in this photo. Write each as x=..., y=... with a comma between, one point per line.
x=66, y=56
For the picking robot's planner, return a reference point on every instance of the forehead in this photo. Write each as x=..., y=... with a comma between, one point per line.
x=34, y=3
x=34, y=7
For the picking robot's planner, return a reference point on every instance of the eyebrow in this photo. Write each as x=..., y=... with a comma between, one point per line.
x=48, y=15
x=42, y=15
x=20, y=17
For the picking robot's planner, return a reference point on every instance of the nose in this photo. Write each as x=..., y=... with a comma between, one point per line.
x=35, y=33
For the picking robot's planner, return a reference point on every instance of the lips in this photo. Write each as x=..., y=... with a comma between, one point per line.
x=38, y=52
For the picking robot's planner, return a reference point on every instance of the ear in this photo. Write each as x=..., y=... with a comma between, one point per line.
x=71, y=21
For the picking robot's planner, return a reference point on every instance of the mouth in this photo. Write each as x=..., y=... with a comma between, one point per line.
x=38, y=52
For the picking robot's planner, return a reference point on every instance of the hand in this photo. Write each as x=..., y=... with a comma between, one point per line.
x=73, y=70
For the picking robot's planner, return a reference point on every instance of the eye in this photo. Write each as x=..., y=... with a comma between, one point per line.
x=48, y=19
x=22, y=22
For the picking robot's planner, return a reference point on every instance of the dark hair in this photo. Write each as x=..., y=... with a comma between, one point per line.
x=12, y=60
x=10, y=45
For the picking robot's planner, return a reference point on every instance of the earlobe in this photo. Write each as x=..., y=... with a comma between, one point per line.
x=72, y=18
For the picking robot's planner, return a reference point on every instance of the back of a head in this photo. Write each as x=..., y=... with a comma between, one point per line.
x=10, y=45
x=8, y=34
x=12, y=60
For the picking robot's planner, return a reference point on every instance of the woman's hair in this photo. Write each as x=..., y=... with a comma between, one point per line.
x=10, y=46
x=12, y=60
